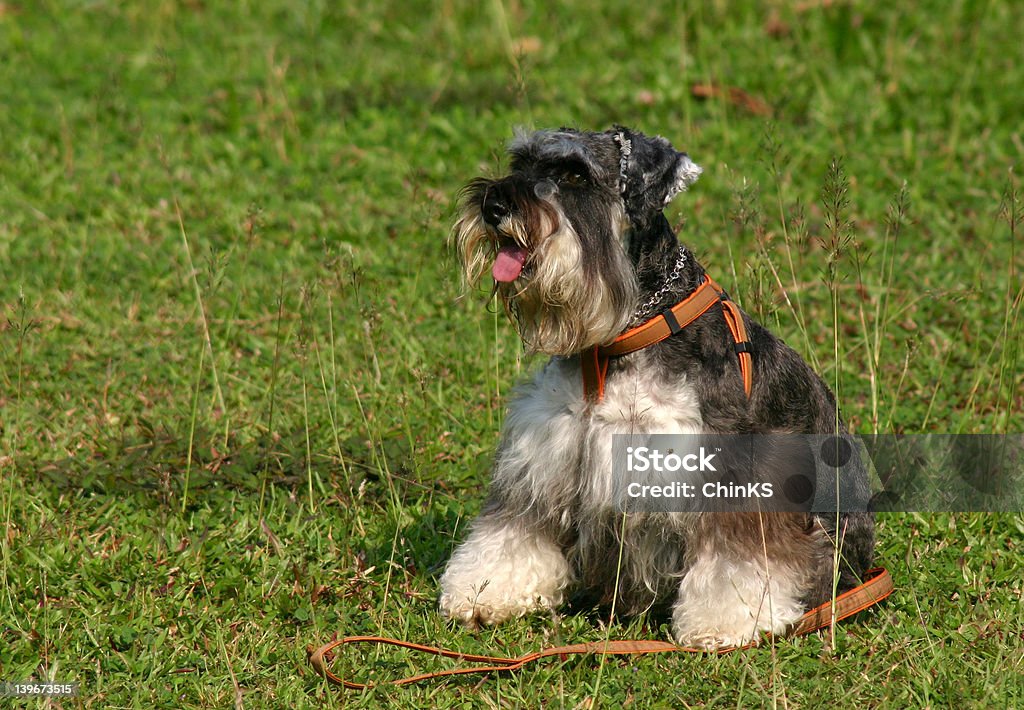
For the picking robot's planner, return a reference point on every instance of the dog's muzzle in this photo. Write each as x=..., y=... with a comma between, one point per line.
x=495, y=208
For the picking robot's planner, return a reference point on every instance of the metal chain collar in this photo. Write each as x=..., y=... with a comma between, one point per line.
x=645, y=310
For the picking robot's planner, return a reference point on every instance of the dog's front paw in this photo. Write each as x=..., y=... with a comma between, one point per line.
x=727, y=604
x=713, y=638
x=486, y=604
x=501, y=573
x=713, y=627
x=709, y=625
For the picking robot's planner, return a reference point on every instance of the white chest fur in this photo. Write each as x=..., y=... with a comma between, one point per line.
x=556, y=450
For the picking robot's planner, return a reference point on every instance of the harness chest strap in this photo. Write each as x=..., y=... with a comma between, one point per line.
x=594, y=361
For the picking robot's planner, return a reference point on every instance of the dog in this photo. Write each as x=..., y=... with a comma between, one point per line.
x=580, y=252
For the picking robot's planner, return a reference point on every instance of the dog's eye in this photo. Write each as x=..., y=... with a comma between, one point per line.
x=573, y=178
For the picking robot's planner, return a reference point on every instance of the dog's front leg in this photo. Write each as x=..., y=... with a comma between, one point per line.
x=727, y=601
x=504, y=569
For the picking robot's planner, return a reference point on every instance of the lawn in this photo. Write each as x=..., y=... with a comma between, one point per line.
x=244, y=409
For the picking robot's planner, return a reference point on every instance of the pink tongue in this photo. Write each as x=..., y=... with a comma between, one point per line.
x=509, y=263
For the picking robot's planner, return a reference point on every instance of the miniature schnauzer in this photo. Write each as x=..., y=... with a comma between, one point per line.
x=580, y=252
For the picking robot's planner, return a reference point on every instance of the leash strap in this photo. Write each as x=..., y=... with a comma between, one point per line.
x=594, y=361
x=877, y=586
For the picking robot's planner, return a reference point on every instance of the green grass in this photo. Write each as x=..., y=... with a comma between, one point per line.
x=242, y=410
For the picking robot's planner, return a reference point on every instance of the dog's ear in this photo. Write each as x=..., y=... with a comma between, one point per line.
x=651, y=172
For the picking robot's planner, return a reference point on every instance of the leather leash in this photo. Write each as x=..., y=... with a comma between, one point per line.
x=594, y=361
x=877, y=586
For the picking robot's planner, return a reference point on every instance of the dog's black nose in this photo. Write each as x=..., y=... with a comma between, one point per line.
x=495, y=208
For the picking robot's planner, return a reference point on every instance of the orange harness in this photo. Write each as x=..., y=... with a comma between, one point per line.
x=594, y=361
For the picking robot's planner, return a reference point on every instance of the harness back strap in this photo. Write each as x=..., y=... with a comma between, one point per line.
x=877, y=586
x=594, y=361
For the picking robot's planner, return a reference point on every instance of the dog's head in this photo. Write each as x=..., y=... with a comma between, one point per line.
x=562, y=233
